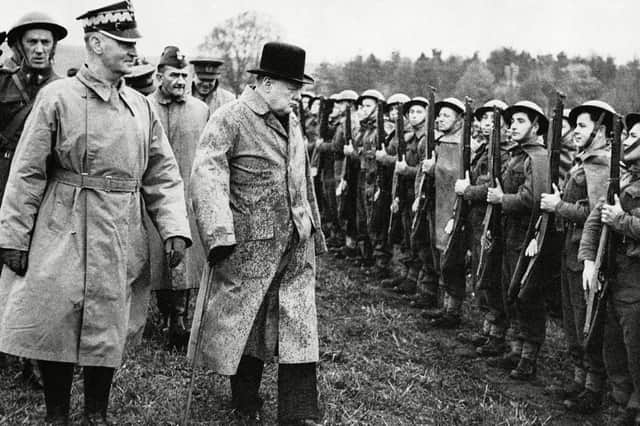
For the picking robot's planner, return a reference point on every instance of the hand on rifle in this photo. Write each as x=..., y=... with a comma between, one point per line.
x=494, y=195
x=588, y=283
x=395, y=205
x=342, y=186
x=610, y=213
x=174, y=249
x=415, y=205
x=401, y=166
x=549, y=202
x=314, y=171
x=427, y=164
x=462, y=184
x=532, y=248
x=348, y=150
x=16, y=260
x=381, y=154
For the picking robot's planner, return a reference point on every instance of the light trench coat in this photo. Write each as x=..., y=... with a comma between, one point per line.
x=251, y=187
x=87, y=284
x=183, y=122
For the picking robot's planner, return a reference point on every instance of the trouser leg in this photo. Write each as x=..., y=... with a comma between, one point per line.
x=571, y=317
x=97, y=386
x=297, y=393
x=245, y=385
x=57, y=378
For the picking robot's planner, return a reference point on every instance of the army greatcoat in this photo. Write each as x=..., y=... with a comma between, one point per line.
x=91, y=157
x=251, y=188
x=183, y=122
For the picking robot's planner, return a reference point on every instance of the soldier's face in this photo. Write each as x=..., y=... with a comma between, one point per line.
x=173, y=81
x=486, y=123
x=337, y=109
x=282, y=96
x=305, y=102
x=584, y=127
x=368, y=107
x=634, y=135
x=37, y=45
x=315, y=106
x=342, y=106
x=521, y=127
x=566, y=127
x=393, y=112
x=118, y=56
x=417, y=114
x=204, y=87
x=447, y=118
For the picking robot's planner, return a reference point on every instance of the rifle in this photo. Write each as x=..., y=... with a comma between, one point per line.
x=456, y=224
x=326, y=105
x=491, y=238
x=303, y=118
x=426, y=186
x=349, y=140
x=380, y=133
x=544, y=226
x=401, y=151
x=605, y=256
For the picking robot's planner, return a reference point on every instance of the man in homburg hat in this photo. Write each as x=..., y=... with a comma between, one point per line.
x=183, y=118
x=206, y=85
x=91, y=156
x=253, y=197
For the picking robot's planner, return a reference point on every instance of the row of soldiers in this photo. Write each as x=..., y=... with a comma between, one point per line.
x=456, y=190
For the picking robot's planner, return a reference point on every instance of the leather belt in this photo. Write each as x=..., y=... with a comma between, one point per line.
x=100, y=183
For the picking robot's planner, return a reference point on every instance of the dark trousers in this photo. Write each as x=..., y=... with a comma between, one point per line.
x=297, y=389
x=573, y=315
x=172, y=302
x=57, y=378
x=453, y=278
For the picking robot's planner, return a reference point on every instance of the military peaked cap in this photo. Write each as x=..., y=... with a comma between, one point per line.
x=117, y=21
x=173, y=57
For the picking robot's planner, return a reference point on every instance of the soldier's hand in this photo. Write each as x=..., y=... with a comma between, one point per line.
x=494, y=195
x=380, y=154
x=588, y=283
x=348, y=150
x=532, y=248
x=16, y=260
x=427, y=164
x=549, y=202
x=415, y=205
x=401, y=167
x=218, y=254
x=174, y=249
x=342, y=186
x=314, y=171
x=395, y=205
x=610, y=213
x=462, y=184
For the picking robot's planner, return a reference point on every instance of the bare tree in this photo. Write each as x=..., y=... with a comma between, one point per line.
x=238, y=42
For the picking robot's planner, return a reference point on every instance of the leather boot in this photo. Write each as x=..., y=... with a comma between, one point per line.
x=424, y=301
x=97, y=386
x=494, y=346
x=57, y=378
x=586, y=402
x=525, y=370
x=406, y=287
x=178, y=333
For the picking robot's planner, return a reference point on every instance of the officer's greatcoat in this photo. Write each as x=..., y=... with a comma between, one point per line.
x=183, y=122
x=87, y=245
x=251, y=187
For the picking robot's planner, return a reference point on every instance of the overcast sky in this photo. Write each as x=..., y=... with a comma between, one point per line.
x=335, y=30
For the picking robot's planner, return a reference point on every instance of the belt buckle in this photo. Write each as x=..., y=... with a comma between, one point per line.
x=108, y=185
x=82, y=182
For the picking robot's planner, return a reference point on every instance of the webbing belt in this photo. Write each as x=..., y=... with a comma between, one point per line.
x=101, y=183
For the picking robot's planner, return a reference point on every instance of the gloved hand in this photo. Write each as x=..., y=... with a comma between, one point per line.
x=174, y=249
x=16, y=260
x=218, y=254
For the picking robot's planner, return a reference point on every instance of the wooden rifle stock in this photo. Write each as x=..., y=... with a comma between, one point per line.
x=456, y=225
x=491, y=239
x=426, y=188
x=348, y=140
x=604, y=264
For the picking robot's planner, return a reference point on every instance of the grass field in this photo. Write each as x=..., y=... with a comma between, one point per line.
x=380, y=365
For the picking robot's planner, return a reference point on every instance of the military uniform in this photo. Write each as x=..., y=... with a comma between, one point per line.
x=326, y=171
x=206, y=69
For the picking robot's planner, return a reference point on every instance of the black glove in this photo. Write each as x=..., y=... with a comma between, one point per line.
x=16, y=260
x=218, y=254
x=174, y=249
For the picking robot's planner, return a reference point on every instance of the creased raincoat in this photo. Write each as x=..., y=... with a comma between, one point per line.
x=251, y=187
x=88, y=254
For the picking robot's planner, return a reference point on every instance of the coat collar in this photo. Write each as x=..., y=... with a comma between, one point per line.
x=163, y=99
x=258, y=105
x=102, y=88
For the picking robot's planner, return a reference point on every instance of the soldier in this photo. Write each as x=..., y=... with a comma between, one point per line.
x=476, y=195
x=91, y=155
x=585, y=184
x=363, y=151
x=141, y=79
x=621, y=333
x=405, y=171
x=33, y=40
x=346, y=169
x=206, y=83
x=568, y=145
x=520, y=181
x=183, y=118
x=256, y=210
x=444, y=167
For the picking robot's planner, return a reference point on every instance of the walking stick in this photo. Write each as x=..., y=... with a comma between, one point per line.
x=196, y=351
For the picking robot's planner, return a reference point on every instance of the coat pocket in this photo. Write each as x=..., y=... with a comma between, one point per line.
x=255, y=226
